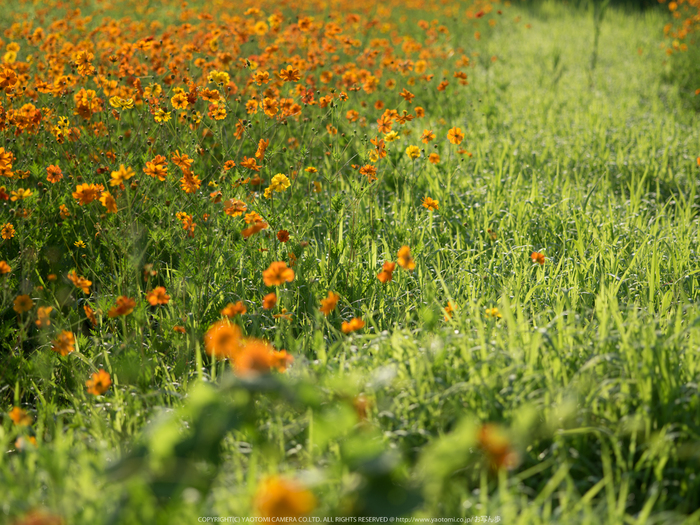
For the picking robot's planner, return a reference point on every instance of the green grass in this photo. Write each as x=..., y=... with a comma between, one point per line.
x=593, y=368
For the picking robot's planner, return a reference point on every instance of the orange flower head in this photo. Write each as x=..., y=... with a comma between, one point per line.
x=4, y=268
x=431, y=204
x=281, y=360
x=80, y=282
x=125, y=306
x=8, y=231
x=269, y=301
x=387, y=273
x=53, y=174
x=283, y=236
x=455, y=135
x=23, y=303
x=496, y=445
x=158, y=296
x=277, y=497
x=329, y=303
x=537, y=257
x=254, y=358
x=354, y=325
x=98, y=383
x=404, y=258
x=64, y=344
x=86, y=193
x=43, y=316
x=277, y=274
x=232, y=310
x=20, y=418
x=222, y=340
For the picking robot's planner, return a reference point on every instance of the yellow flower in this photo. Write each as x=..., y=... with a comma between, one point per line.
x=493, y=312
x=20, y=194
x=161, y=115
x=122, y=174
x=391, y=136
x=279, y=183
x=218, y=77
x=79, y=244
x=413, y=152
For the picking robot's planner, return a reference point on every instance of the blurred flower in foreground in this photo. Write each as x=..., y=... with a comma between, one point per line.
x=404, y=258
x=497, y=447
x=329, y=303
x=19, y=417
x=64, y=344
x=98, y=383
x=36, y=517
x=277, y=497
x=353, y=325
x=222, y=340
x=537, y=257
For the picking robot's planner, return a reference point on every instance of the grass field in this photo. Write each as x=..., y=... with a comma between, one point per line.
x=526, y=348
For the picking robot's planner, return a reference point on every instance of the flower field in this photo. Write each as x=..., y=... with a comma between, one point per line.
x=334, y=261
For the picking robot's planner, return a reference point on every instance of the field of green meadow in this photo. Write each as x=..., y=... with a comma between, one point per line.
x=324, y=260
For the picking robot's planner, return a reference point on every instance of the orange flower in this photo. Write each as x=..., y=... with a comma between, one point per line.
x=99, y=383
x=277, y=274
x=23, y=303
x=427, y=136
x=158, y=296
x=232, y=310
x=255, y=228
x=222, y=340
x=234, y=207
x=434, y=158
x=43, y=313
x=281, y=360
x=455, y=135
x=90, y=314
x=54, y=174
x=20, y=418
x=86, y=193
x=329, y=303
x=8, y=231
x=4, y=268
x=431, y=204
x=158, y=167
x=269, y=301
x=250, y=164
x=108, y=202
x=262, y=147
x=124, y=306
x=537, y=257
x=64, y=344
x=283, y=236
x=280, y=498
x=449, y=310
x=353, y=325
x=179, y=329
x=255, y=357
x=387, y=272
x=369, y=171
x=496, y=445
x=404, y=258
x=80, y=282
